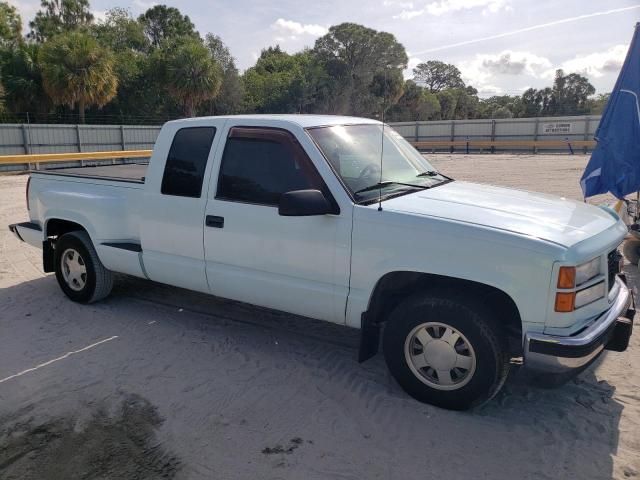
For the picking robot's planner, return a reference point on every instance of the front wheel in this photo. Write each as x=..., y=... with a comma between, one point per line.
x=445, y=352
x=79, y=271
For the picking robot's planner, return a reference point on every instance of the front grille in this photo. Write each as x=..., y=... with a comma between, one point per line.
x=613, y=266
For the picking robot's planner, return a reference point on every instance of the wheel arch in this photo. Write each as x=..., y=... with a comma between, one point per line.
x=55, y=227
x=395, y=286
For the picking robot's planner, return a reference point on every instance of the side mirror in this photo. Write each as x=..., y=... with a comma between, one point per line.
x=304, y=203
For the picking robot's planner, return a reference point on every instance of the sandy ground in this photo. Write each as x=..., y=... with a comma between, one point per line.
x=158, y=382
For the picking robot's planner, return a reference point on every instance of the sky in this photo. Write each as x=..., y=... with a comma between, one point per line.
x=500, y=46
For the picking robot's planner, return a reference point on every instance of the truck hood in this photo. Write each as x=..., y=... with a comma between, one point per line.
x=554, y=219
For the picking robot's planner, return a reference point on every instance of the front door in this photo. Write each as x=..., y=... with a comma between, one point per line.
x=295, y=264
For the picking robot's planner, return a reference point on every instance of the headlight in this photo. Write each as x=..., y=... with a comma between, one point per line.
x=587, y=271
x=589, y=295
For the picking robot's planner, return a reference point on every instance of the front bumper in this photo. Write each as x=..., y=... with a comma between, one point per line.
x=610, y=331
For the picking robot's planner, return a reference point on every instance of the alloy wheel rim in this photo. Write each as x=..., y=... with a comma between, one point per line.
x=440, y=356
x=74, y=269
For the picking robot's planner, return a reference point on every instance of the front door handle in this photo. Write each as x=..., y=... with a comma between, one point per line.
x=214, y=221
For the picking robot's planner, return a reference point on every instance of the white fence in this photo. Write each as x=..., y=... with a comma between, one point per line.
x=578, y=128
x=18, y=139
x=41, y=138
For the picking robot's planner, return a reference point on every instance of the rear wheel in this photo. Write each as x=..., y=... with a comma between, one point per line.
x=445, y=352
x=79, y=271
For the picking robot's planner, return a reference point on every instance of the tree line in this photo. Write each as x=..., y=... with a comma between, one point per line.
x=157, y=66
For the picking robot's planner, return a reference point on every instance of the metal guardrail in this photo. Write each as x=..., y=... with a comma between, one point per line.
x=492, y=145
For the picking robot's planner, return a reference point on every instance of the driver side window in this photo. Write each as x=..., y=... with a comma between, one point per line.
x=260, y=164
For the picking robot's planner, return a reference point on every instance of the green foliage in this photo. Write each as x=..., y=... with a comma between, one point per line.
x=189, y=71
x=157, y=65
x=229, y=99
x=437, y=76
x=121, y=32
x=502, y=106
x=276, y=84
x=353, y=56
x=10, y=25
x=598, y=103
x=568, y=96
x=416, y=103
x=162, y=23
x=59, y=16
x=76, y=70
x=22, y=79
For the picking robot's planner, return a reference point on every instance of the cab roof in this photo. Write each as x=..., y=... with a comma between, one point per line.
x=304, y=121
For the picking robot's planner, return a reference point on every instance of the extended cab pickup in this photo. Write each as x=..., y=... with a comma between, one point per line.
x=340, y=219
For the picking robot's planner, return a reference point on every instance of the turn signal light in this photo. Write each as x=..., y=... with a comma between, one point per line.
x=565, y=301
x=567, y=277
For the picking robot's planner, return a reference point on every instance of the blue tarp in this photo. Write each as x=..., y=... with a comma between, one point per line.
x=615, y=163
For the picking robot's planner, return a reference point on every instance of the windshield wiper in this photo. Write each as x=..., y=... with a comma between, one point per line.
x=386, y=183
x=433, y=173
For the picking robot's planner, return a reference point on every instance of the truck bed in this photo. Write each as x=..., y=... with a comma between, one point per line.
x=130, y=172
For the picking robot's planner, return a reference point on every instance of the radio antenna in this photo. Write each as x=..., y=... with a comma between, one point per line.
x=384, y=106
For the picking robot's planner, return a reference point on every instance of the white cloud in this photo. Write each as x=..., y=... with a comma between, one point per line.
x=510, y=62
x=99, y=15
x=483, y=70
x=411, y=64
x=597, y=64
x=397, y=3
x=293, y=29
x=528, y=29
x=27, y=10
x=408, y=14
x=489, y=90
x=485, y=67
x=442, y=7
x=144, y=4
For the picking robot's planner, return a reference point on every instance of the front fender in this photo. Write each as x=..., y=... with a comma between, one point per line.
x=385, y=242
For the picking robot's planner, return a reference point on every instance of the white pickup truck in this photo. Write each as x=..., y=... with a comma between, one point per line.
x=293, y=212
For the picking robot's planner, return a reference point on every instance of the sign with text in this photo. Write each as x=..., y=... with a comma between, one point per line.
x=557, y=127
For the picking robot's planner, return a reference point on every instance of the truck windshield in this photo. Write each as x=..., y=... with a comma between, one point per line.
x=354, y=153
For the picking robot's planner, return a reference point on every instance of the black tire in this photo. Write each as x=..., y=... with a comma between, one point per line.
x=631, y=250
x=469, y=318
x=98, y=281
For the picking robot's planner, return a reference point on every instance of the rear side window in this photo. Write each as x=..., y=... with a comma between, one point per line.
x=261, y=164
x=187, y=161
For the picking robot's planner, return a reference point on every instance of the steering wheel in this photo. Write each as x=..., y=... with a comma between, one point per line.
x=369, y=170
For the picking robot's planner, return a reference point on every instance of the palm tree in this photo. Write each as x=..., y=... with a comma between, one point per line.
x=77, y=70
x=22, y=79
x=192, y=75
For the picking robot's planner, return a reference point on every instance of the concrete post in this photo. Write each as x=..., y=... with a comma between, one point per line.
x=587, y=125
x=122, y=141
x=453, y=134
x=79, y=137
x=493, y=136
x=25, y=140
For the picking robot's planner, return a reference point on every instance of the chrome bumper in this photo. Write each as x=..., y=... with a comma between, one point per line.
x=28, y=232
x=610, y=331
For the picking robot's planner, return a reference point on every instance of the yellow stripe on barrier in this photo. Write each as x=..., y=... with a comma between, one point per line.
x=67, y=157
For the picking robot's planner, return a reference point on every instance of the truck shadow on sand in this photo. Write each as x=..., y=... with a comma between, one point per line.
x=571, y=431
